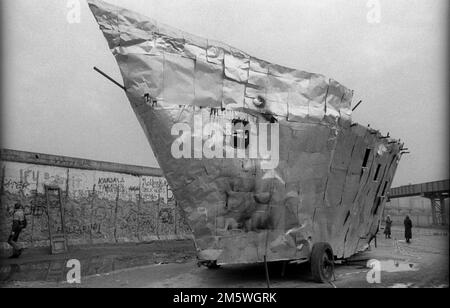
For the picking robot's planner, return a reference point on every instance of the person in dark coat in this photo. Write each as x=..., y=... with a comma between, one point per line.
x=387, y=227
x=19, y=223
x=408, y=229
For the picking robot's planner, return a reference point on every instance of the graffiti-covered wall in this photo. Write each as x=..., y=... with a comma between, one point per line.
x=99, y=206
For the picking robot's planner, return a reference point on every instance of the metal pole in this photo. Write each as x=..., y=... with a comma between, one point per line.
x=283, y=270
x=357, y=105
x=267, y=272
x=109, y=78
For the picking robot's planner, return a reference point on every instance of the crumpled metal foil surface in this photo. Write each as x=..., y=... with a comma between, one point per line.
x=187, y=70
x=330, y=183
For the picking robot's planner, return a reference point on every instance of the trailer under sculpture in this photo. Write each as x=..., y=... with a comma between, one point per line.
x=202, y=102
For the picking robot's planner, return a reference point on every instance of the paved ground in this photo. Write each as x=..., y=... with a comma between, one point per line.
x=39, y=266
x=423, y=263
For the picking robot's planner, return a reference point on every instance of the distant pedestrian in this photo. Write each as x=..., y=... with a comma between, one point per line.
x=19, y=223
x=387, y=227
x=408, y=229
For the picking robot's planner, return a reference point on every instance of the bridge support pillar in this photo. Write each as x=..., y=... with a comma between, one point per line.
x=444, y=214
x=433, y=211
x=439, y=213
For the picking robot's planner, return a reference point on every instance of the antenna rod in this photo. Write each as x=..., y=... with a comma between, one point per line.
x=357, y=105
x=109, y=78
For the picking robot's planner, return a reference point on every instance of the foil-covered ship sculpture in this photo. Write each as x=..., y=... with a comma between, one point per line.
x=208, y=110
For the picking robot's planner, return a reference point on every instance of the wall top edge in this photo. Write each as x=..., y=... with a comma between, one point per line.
x=75, y=163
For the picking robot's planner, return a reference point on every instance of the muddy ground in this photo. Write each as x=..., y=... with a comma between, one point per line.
x=423, y=263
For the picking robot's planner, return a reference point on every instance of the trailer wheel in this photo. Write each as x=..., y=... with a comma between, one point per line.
x=212, y=265
x=322, y=262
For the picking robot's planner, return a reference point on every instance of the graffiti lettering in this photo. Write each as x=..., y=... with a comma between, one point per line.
x=15, y=185
x=97, y=205
x=116, y=181
x=76, y=229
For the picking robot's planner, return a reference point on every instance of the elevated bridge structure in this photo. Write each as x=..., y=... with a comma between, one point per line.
x=436, y=191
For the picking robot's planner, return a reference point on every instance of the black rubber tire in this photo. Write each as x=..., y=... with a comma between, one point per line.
x=322, y=263
x=212, y=265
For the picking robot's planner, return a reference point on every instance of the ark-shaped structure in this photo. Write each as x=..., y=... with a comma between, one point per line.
x=263, y=159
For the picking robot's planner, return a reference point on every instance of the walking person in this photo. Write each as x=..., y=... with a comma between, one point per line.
x=19, y=223
x=408, y=229
x=387, y=227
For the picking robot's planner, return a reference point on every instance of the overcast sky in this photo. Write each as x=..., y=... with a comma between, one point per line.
x=53, y=102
